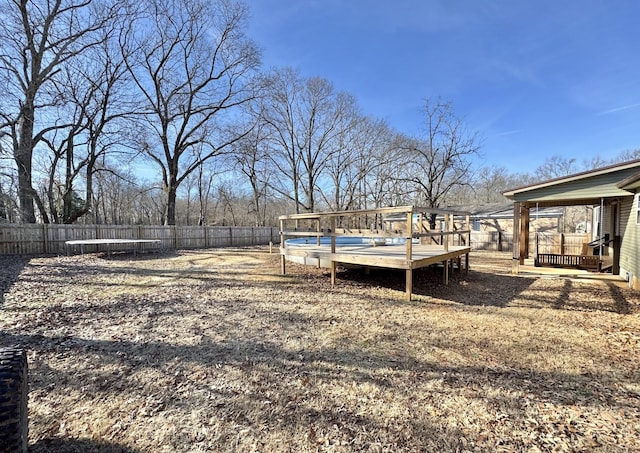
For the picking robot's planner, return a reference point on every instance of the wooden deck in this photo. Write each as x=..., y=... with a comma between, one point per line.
x=388, y=256
x=406, y=227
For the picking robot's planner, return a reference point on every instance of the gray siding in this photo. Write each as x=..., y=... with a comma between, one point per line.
x=629, y=259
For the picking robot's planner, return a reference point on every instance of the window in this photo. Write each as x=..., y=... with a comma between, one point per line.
x=637, y=203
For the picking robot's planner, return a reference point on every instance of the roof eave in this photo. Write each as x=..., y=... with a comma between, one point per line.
x=575, y=177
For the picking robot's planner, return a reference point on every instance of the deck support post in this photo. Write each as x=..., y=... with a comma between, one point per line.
x=318, y=239
x=409, y=235
x=409, y=244
x=333, y=251
x=283, y=265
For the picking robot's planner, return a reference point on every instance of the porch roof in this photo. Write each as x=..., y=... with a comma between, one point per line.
x=585, y=188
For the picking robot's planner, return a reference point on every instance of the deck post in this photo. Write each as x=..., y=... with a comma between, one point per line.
x=466, y=255
x=318, y=238
x=468, y=219
x=409, y=271
x=283, y=266
x=445, y=238
x=409, y=235
x=333, y=251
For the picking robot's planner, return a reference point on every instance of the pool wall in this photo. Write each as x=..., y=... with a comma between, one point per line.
x=313, y=257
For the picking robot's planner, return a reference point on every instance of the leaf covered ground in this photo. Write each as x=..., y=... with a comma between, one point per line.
x=213, y=350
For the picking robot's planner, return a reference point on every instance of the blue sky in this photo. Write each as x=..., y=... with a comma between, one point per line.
x=534, y=78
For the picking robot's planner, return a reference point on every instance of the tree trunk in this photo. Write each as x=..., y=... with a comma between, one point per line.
x=170, y=217
x=23, y=154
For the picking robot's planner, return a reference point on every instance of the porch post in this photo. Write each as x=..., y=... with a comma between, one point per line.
x=524, y=232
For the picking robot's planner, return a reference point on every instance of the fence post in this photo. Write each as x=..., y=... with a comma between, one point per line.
x=45, y=238
x=230, y=237
x=174, y=231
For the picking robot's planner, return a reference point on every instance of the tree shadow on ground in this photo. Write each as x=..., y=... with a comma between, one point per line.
x=144, y=255
x=11, y=266
x=481, y=288
x=344, y=363
x=270, y=372
x=62, y=445
x=623, y=306
x=465, y=287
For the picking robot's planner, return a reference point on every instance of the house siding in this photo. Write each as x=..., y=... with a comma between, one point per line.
x=629, y=259
x=584, y=189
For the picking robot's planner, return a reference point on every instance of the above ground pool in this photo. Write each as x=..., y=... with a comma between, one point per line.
x=315, y=256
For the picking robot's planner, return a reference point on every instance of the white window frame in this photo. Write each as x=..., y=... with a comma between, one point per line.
x=637, y=203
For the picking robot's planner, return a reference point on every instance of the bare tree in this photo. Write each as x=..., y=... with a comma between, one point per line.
x=362, y=149
x=104, y=107
x=206, y=173
x=441, y=160
x=121, y=197
x=307, y=118
x=556, y=167
x=489, y=184
x=39, y=38
x=8, y=206
x=191, y=62
x=627, y=155
x=250, y=158
x=279, y=113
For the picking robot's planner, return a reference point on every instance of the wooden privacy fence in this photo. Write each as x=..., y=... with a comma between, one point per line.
x=558, y=243
x=35, y=239
x=491, y=240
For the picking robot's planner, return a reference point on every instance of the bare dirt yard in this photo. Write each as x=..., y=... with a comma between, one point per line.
x=213, y=350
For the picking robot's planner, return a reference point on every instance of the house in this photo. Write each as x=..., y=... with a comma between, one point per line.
x=612, y=192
